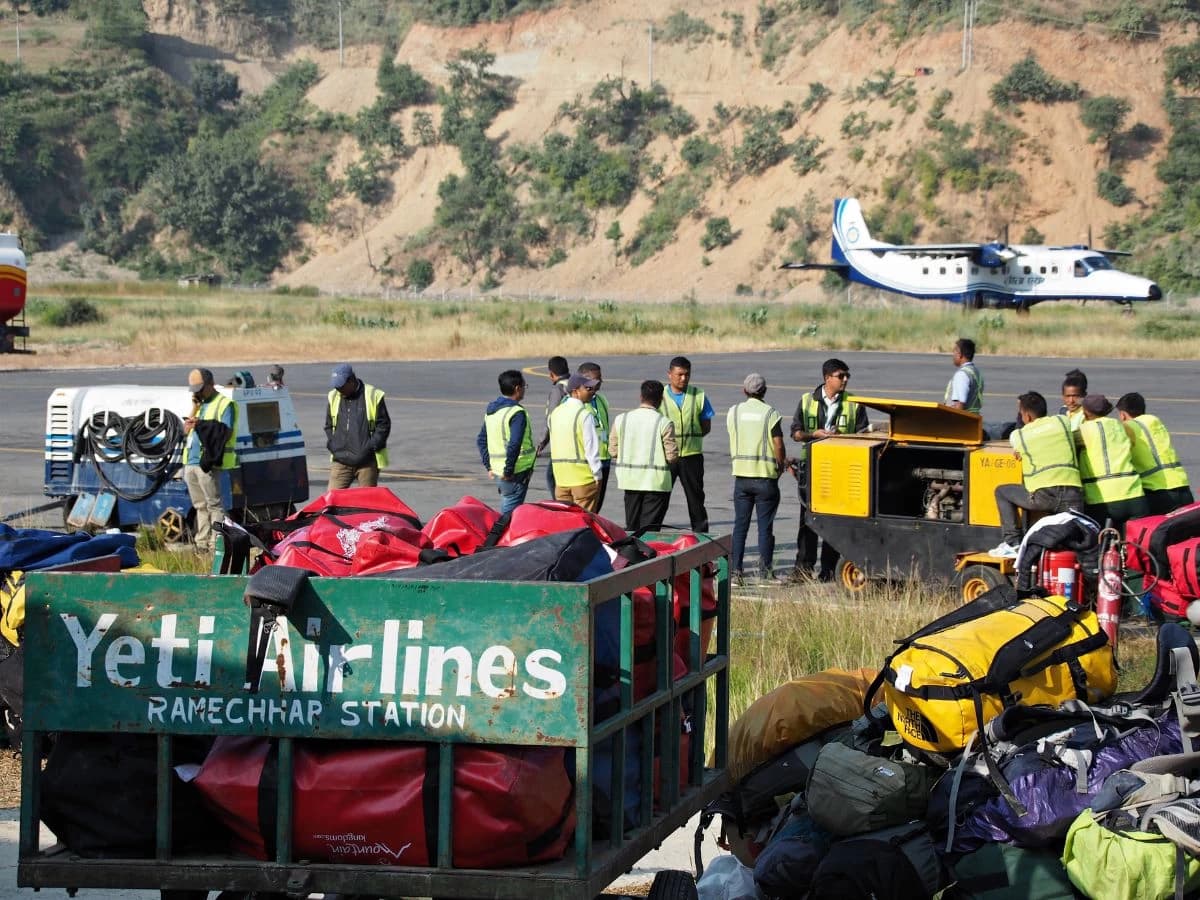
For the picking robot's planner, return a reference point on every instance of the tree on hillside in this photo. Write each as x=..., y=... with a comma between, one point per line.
x=213, y=87
x=116, y=25
x=1103, y=118
x=231, y=203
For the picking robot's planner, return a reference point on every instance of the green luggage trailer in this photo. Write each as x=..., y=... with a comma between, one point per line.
x=166, y=655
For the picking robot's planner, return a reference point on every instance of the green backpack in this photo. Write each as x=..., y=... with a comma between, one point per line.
x=851, y=792
x=1102, y=862
x=1006, y=872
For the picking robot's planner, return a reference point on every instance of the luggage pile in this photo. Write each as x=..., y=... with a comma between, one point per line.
x=375, y=802
x=1165, y=550
x=988, y=757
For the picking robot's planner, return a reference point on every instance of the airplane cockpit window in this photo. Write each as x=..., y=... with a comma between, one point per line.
x=1090, y=264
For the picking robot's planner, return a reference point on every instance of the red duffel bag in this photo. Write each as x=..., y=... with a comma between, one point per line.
x=462, y=528
x=683, y=596
x=366, y=802
x=534, y=520
x=337, y=547
x=1185, y=567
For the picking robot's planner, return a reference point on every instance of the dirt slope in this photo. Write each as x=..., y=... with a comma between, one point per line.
x=564, y=52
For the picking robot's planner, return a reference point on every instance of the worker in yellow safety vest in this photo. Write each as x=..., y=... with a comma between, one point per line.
x=599, y=405
x=643, y=447
x=575, y=445
x=357, y=426
x=1164, y=481
x=1112, y=488
x=965, y=390
x=822, y=412
x=691, y=413
x=210, y=433
x=756, y=451
x=505, y=441
x=1049, y=471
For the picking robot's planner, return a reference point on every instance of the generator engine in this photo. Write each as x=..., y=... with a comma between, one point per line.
x=943, y=498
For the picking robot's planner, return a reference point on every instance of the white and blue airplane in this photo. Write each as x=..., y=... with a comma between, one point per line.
x=989, y=275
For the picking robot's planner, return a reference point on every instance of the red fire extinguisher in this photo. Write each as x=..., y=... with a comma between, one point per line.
x=1108, y=592
x=1059, y=571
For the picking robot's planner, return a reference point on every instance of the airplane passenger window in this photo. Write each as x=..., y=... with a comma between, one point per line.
x=974, y=270
x=1054, y=270
x=1028, y=269
x=1043, y=270
x=925, y=270
x=942, y=270
x=958, y=270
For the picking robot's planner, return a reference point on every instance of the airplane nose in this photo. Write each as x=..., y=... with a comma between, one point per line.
x=1155, y=292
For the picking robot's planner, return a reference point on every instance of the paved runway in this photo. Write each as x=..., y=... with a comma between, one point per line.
x=437, y=407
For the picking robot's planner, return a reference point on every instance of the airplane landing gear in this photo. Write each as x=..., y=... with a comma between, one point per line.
x=1127, y=308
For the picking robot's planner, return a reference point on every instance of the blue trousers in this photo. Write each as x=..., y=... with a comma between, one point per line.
x=759, y=496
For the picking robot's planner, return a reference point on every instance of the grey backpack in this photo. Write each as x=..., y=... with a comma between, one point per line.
x=851, y=792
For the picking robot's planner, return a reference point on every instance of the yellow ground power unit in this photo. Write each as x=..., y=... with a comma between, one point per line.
x=905, y=502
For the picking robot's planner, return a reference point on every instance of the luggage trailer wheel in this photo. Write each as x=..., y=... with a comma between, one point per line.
x=172, y=526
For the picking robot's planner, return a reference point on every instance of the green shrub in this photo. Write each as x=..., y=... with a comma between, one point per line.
x=781, y=217
x=419, y=274
x=679, y=27
x=698, y=151
x=678, y=197
x=1103, y=117
x=1032, y=236
x=743, y=290
x=1113, y=188
x=1183, y=65
x=718, y=232
x=73, y=312
x=1028, y=81
x=817, y=95
x=805, y=155
x=756, y=318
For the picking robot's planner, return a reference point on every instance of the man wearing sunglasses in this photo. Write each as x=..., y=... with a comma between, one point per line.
x=824, y=412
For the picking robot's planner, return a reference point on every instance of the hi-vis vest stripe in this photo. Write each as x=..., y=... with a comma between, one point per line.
x=1153, y=456
x=750, y=425
x=974, y=393
x=1105, y=464
x=1047, y=449
x=641, y=461
x=571, y=466
x=686, y=420
x=600, y=411
x=214, y=410
x=810, y=409
x=373, y=396
x=499, y=430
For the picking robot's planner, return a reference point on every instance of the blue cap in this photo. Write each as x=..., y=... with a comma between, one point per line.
x=340, y=375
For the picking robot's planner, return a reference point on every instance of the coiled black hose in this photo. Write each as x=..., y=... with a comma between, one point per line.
x=147, y=443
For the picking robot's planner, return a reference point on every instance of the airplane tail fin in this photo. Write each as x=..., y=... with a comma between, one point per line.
x=850, y=230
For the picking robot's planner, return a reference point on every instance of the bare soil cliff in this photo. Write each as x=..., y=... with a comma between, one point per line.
x=561, y=53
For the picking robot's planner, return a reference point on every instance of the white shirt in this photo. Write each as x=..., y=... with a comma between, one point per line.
x=832, y=406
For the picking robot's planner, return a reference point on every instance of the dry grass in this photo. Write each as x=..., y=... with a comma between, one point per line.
x=163, y=324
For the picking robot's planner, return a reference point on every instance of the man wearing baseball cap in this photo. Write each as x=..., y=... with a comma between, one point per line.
x=210, y=434
x=756, y=449
x=357, y=426
x=575, y=445
x=1112, y=488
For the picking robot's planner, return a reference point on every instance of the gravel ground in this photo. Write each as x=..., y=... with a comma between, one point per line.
x=10, y=780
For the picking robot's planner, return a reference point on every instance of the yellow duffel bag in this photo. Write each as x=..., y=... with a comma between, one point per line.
x=950, y=678
x=794, y=712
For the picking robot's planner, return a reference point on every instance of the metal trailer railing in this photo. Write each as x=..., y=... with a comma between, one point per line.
x=97, y=660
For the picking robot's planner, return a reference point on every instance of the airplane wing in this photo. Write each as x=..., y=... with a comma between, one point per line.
x=840, y=268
